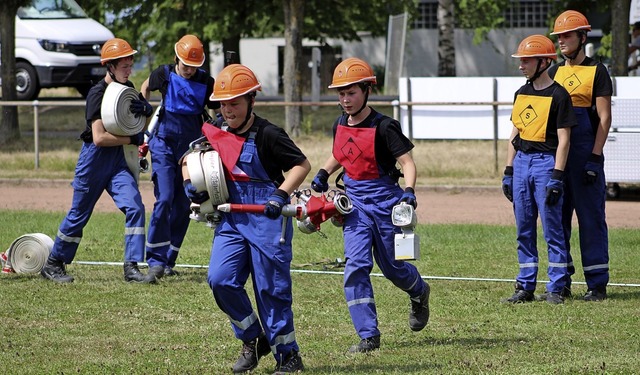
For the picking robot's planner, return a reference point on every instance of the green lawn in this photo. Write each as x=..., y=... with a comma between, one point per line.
x=102, y=325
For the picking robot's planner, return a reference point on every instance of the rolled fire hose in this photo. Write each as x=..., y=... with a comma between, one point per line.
x=119, y=120
x=29, y=253
x=206, y=174
x=116, y=116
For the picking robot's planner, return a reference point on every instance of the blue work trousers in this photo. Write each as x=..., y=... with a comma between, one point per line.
x=588, y=202
x=369, y=235
x=100, y=169
x=531, y=173
x=170, y=217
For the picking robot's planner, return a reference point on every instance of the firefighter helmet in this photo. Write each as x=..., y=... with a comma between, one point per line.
x=350, y=71
x=536, y=46
x=233, y=81
x=114, y=49
x=190, y=51
x=570, y=20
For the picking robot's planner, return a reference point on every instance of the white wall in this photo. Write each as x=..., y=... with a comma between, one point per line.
x=476, y=121
x=463, y=121
x=259, y=55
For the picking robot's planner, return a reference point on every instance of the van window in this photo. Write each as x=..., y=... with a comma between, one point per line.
x=51, y=9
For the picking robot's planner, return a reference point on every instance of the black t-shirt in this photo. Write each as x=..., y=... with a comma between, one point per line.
x=94, y=106
x=561, y=115
x=158, y=80
x=390, y=142
x=277, y=152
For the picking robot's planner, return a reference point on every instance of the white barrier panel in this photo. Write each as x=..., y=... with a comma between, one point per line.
x=458, y=121
x=477, y=121
x=507, y=87
x=627, y=87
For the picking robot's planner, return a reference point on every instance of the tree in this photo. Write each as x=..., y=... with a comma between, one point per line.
x=293, y=21
x=620, y=36
x=446, y=40
x=227, y=21
x=9, y=127
x=322, y=23
x=481, y=16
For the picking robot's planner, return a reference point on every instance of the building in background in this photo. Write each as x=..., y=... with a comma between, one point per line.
x=491, y=58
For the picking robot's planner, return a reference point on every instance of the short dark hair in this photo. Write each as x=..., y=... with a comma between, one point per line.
x=636, y=26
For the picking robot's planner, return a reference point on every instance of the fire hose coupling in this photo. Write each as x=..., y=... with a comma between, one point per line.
x=143, y=164
x=200, y=144
x=310, y=211
x=342, y=202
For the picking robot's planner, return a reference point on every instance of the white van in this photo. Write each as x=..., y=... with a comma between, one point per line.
x=57, y=45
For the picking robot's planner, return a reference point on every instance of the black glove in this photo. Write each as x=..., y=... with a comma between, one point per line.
x=319, y=183
x=592, y=168
x=274, y=205
x=141, y=107
x=192, y=193
x=507, y=183
x=554, y=188
x=409, y=197
x=137, y=139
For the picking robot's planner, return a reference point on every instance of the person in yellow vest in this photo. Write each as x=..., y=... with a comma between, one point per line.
x=590, y=87
x=542, y=117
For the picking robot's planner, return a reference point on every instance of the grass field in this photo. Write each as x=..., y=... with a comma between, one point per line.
x=102, y=325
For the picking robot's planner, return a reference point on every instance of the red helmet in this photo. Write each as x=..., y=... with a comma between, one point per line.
x=570, y=20
x=350, y=71
x=536, y=46
x=233, y=81
x=190, y=51
x=115, y=48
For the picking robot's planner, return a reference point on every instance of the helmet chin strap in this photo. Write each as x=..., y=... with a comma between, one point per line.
x=364, y=104
x=538, y=72
x=248, y=116
x=113, y=76
x=574, y=55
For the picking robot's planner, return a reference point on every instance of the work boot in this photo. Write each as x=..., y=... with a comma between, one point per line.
x=596, y=295
x=520, y=295
x=132, y=274
x=419, y=314
x=552, y=298
x=366, y=345
x=251, y=353
x=155, y=273
x=169, y=271
x=566, y=291
x=292, y=363
x=54, y=270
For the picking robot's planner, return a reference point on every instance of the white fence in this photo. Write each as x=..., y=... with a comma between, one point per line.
x=471, y=107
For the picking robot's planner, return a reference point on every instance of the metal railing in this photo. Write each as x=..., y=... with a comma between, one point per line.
x=396, y=104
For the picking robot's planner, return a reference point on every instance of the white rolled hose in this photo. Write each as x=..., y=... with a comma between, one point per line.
x=29, y=253
x=206, y=174
x=116, y=116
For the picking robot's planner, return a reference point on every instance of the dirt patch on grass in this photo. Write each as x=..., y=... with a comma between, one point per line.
x=436, y=205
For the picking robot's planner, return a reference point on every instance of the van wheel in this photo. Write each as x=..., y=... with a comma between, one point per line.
x=26, y=81
x=84, y=89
